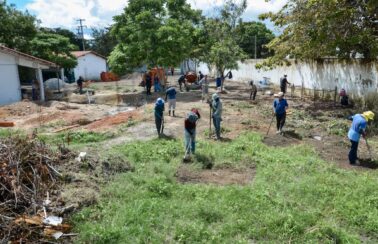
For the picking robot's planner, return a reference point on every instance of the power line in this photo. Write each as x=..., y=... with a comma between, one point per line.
x=80, y=31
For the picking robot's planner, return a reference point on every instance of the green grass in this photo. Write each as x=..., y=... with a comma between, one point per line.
x=77, y=137
x=295, y=197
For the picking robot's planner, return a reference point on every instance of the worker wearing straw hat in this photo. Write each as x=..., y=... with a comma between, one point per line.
x=357, y=129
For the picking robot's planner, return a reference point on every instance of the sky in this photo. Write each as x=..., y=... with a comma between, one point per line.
x=99, y=13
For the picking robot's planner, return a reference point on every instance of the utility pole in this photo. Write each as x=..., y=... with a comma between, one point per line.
x=80, y=31
x=255, y=46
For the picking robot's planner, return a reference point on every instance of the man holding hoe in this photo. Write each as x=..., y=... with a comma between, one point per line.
x=280, y=106
x=357, y=129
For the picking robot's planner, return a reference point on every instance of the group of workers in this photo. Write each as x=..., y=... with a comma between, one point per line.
x=192, y=116
x=280, y=106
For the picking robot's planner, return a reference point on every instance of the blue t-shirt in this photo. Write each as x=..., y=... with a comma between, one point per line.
x=171, y=93
x=159, y=109
x=358, y=127
x=279, y=106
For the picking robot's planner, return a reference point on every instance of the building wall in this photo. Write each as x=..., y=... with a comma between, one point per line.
x=355, y=76
x=90, y=67
x=10, y=88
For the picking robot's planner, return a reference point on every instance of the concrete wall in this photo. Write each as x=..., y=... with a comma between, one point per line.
x=10, y=88
x=90, y=67
x=355, y=76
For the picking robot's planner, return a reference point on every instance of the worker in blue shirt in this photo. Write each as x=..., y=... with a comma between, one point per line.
x=280, y=106
x=159, y=117
x=357, y=129
x=171, y=95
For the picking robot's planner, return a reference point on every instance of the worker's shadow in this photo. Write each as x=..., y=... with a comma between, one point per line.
x=368, y=163
x=167, y=137
x=207, y=161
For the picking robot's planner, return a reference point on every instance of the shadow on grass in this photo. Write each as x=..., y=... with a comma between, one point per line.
x=207, y=161
x=368, y=163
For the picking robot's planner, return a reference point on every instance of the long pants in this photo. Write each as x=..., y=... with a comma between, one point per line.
x=157, y=87
x=281, y=118
x=217, y=125
x=190, y=139
x=253, y=95
x=158, y=123
x=353, y=152
x=148, y=87
x=283, y=89
x=171, y=105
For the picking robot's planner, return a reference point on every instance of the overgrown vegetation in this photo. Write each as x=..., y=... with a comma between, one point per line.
x=77, y=137
x=294, y=197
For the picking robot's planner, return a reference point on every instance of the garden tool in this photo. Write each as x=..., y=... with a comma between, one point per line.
x=369, y=149
x=271, y=122
x=187, y=157
x=161, y=126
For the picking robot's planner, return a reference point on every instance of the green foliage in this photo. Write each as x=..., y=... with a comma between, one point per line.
x=295, y=197
x=155, y=32
x=55, y=48
x=320, y=28
x=17, y=28
x=245, y=37
x=77, y=137
x=339, y=128
x=221, y=49
x=103, y=42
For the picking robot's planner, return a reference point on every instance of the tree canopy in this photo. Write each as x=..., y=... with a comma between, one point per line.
x=221, y=49
x=17, y=28
x=320, y=28
x=154, y=32
x=103, y=42
x=55, y=48
x=245, y=34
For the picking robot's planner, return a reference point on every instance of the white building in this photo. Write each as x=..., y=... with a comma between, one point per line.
x=89, y=65
x=10, y=86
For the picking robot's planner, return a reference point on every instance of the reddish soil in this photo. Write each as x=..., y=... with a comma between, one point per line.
x=110, y=121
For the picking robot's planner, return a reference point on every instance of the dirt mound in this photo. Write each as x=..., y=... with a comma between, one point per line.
x=22, y=108
x=217, y=176
x=113, y=120
x=281, y=140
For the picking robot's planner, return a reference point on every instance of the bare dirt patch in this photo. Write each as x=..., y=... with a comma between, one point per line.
x=280, y=140
x=216, y=176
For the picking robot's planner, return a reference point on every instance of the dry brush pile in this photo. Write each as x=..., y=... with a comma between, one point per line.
x=27, y=174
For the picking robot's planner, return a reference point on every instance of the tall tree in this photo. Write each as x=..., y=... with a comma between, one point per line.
x=319, y=28
x=55, y=48
x=103, y=42
x=17, y=28
x=246, y=33
x=221, y=49
x=154, y=32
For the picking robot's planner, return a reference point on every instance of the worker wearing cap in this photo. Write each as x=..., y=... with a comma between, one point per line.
x=284, y=83
x=216, y=105
x=280, y=106
x=159, y=117
x=357, y=129
x=190, y=130
x=170, y=94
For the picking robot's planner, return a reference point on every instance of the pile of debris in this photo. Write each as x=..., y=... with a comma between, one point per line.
x=27, y=175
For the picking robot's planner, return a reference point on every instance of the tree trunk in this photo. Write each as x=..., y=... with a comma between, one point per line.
x=222, y=79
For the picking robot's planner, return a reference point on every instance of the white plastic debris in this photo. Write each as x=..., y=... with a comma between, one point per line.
x=57, y=235
x=53, y=220
x=81, y=156
x=317, y=138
